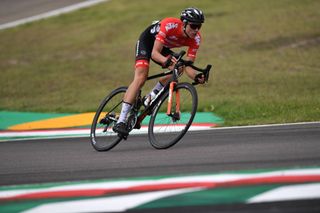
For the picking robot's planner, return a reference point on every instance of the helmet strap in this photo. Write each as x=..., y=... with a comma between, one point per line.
x=184, y=28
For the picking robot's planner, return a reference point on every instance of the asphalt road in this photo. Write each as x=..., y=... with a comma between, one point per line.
x=50, y=160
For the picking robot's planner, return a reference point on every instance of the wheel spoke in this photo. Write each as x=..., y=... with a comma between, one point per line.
x=166, y=130
x=102, y=136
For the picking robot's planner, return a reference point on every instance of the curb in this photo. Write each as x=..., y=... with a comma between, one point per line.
x=27, y=125
x=164, y=192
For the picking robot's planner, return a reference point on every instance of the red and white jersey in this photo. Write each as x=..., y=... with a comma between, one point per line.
x=171, y=35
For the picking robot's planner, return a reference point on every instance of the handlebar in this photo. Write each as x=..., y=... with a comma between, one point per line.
x=181, y=62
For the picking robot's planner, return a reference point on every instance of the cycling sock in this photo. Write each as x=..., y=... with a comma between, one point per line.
x=126, y=107
x=153, y=93
x=157, y=87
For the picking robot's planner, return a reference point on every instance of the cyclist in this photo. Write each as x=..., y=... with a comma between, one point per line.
x=155, y=43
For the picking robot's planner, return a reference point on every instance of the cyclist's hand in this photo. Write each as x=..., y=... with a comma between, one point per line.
x=169, y=63
x=199, y=78
x=173, y=63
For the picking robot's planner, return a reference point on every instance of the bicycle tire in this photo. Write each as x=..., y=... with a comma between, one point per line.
x=108, y=110
x=164, y=131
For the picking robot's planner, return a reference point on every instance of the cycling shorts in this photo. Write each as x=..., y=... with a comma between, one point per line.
x=145, y=44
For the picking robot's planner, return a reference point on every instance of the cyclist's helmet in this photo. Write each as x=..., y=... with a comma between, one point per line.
x=193, y=15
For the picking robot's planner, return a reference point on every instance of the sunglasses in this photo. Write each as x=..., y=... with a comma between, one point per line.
x=195, y=26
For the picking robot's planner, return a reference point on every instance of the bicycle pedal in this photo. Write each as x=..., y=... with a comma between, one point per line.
x=103, y=121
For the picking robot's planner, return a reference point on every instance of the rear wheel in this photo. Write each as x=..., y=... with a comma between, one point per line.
x=102, y=136
x=166, y=130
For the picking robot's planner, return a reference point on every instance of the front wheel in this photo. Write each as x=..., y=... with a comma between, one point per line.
x=102, y=136
x=166, y=130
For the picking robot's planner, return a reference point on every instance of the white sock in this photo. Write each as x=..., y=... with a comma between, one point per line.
x=157, y=87
x=126, y=107
x=153, y=93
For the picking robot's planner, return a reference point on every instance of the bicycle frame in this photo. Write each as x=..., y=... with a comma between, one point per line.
x=171, y=87
x=171, y=92
x=148, y=110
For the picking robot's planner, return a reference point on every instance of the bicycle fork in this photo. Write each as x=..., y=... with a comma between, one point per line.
x=175, y=114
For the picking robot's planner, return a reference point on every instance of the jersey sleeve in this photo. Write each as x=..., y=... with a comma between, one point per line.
x=194, y=46
x=167, y=26
x=162, y=34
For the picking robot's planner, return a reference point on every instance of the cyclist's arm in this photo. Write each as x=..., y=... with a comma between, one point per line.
x=191, y=73
x=156, y=52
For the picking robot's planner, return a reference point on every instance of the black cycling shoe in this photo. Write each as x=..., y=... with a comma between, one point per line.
x=121, y=128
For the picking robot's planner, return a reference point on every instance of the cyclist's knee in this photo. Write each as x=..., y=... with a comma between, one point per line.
x=141, y=74
x=165, y=79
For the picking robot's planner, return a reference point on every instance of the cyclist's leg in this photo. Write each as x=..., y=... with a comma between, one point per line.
x=140, y=76
x=143, y=55
x=164, y=80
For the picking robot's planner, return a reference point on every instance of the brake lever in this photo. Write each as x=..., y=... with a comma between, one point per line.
x=206, y=75
x=206, y=72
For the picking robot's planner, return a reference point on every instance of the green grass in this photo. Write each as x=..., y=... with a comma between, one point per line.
x=265, y=56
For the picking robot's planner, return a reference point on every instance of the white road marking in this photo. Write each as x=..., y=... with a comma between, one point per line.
x=285, y=193
x=267, y=125
x=51, y=13
x=124, y=202
x=110, y=204
x=123, y=184
x=85, y=132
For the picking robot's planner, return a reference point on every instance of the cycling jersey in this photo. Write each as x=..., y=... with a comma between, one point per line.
x=169, y=31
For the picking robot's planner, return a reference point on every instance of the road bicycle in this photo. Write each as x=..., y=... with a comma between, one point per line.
x=171, y=111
